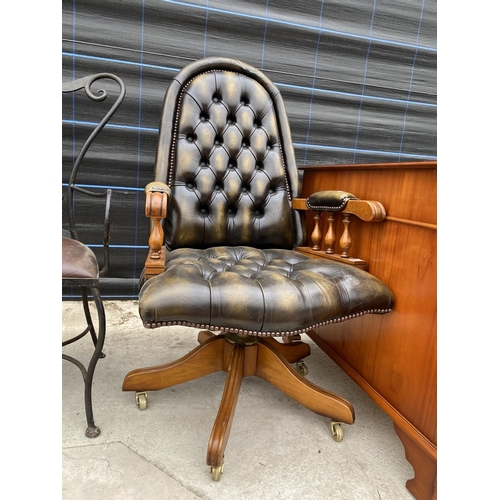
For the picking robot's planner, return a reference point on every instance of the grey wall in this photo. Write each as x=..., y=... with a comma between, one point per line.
x=358, y=78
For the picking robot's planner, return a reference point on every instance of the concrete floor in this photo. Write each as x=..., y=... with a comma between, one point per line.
x=277, y=448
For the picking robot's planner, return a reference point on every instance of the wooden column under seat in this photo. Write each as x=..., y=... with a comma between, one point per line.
x=393, y=357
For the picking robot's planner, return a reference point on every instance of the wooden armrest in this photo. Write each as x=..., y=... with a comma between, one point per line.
x=367, y=210
x=157, y=194
x=346, y=204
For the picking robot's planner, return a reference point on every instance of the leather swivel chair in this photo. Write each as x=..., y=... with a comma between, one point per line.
x=222, y=257
x=80, y=267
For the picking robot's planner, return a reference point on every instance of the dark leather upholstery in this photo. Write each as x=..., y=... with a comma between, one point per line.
x=332, y=201
x=78, y=260
x=258, y=292
x=226, y=152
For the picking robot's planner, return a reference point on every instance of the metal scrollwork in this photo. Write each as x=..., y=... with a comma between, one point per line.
x=96, y=96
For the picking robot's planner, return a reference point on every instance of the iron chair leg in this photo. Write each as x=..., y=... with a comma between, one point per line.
x=92, y=430
x=98, y=341
x=88, y=317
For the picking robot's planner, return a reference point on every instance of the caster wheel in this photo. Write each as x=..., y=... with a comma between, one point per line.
x=217, y=470
x=302, y=368
x=141, y=400
x=337, y=431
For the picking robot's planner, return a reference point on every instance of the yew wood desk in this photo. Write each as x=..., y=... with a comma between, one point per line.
x=393, y=357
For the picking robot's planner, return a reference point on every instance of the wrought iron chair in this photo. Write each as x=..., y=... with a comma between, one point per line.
x=227, y=228
x=80, y=267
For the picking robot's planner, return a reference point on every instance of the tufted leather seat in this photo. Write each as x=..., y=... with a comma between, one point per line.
x=226, y=164
x=257, y=292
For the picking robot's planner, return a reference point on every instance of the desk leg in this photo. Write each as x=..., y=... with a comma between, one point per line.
x=424, y=485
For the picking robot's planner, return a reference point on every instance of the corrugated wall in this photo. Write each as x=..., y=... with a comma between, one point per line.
x=358, y=78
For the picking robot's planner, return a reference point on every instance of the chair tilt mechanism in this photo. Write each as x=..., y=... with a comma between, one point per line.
x=226, y=221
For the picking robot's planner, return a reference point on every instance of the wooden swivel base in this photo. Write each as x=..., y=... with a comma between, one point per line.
x=241, y=356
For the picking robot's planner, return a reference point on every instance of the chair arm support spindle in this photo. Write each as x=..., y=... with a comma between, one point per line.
x=157, y=195
x=156, y=209
x=316, y=234
x=345, y=240
x=330, y=235
x=342, y=202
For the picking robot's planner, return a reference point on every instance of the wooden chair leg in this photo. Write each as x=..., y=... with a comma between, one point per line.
x=241, y=357
x=274, y=368
x=223, y=422
x=205, y=359
x=205, y=335
x=292, y=352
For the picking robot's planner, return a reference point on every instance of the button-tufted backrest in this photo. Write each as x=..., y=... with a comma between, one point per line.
x=230, y=162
